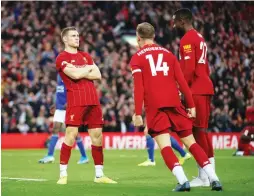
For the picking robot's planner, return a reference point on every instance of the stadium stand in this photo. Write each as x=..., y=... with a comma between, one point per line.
x=31, y=42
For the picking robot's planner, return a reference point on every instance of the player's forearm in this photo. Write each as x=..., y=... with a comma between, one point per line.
x=138, y=93
x=77, y=73
x=189, y=70
x=188, y=95
x=94, y=74
x=184, y=88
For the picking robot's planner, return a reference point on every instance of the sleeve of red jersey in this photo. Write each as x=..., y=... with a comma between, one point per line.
x=60, y=63
x=138, y=85
x=188, y=61
x=183, y=86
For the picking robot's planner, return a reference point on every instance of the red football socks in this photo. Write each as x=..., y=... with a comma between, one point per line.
x=210, y=147
x=97, y=154
x=169, y=157
x=201, y=139
x=199, y=155
x=65, y=154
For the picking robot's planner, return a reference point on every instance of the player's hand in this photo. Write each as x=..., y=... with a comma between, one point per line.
x=180, y=94
x=52, y=109
x=191, y=112
x=137, y=120
x=68, y=64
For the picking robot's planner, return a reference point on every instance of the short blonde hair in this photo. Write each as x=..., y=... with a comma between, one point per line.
x=66, y=30
x=145, y=30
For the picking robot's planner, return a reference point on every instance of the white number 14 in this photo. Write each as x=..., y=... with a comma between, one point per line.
x=160, y=66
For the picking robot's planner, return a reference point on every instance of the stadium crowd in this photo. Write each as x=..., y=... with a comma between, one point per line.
x=31, y=42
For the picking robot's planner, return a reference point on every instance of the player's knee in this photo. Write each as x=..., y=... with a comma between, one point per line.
x=163, y=140
x=70, y=138
x=71, y=134
x=96, y=136
x=188, y=141
x=56, y=128
x=97, y=140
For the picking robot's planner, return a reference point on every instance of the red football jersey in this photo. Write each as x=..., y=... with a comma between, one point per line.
x=247, y=131
x=194, y=63
x=157, y=74
x=79, y=92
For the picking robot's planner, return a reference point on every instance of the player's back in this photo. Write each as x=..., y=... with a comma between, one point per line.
x=193, y=58
x=157, y=66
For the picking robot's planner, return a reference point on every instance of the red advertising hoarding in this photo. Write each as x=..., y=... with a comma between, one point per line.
x=110, y=141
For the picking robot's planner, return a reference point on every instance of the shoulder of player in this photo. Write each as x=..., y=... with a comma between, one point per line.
x=61, y=56
x=135, y=57
x=192, y=38
x=86, y=55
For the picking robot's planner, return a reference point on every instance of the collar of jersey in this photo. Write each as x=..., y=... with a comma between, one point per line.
x=148, y=45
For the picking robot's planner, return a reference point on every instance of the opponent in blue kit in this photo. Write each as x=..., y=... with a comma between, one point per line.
x=150, y=150
x=59, y=119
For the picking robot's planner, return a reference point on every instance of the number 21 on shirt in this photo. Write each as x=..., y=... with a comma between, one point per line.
x=160, y=65
x=203, y=47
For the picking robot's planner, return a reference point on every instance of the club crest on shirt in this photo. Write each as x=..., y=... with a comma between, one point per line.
x=72, y=116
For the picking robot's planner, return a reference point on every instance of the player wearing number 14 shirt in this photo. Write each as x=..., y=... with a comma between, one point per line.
x=194, y=64
x=157, y=75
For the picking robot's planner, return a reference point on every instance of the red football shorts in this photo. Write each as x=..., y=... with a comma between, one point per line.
x=202, y=104
x=160, y=120
x=90, y=115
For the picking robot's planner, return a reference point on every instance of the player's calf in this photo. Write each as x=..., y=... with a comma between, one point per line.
x=97, y=151
x=97, y=154
x=170, y=159
x=70, y=135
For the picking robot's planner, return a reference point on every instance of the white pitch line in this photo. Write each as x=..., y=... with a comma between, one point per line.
x=25, y=179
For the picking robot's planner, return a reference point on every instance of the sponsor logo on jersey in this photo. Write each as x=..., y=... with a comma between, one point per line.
x=187, y=48
x=60, y=89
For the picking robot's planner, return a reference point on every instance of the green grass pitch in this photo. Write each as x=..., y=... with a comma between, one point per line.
x=236, y=174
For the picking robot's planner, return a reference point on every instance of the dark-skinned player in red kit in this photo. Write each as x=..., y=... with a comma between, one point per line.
x=194, y=64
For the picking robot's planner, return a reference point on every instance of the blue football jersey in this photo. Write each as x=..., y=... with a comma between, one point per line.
x=60, y=94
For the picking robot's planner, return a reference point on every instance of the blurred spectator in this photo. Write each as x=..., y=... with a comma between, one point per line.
x=31, y=41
